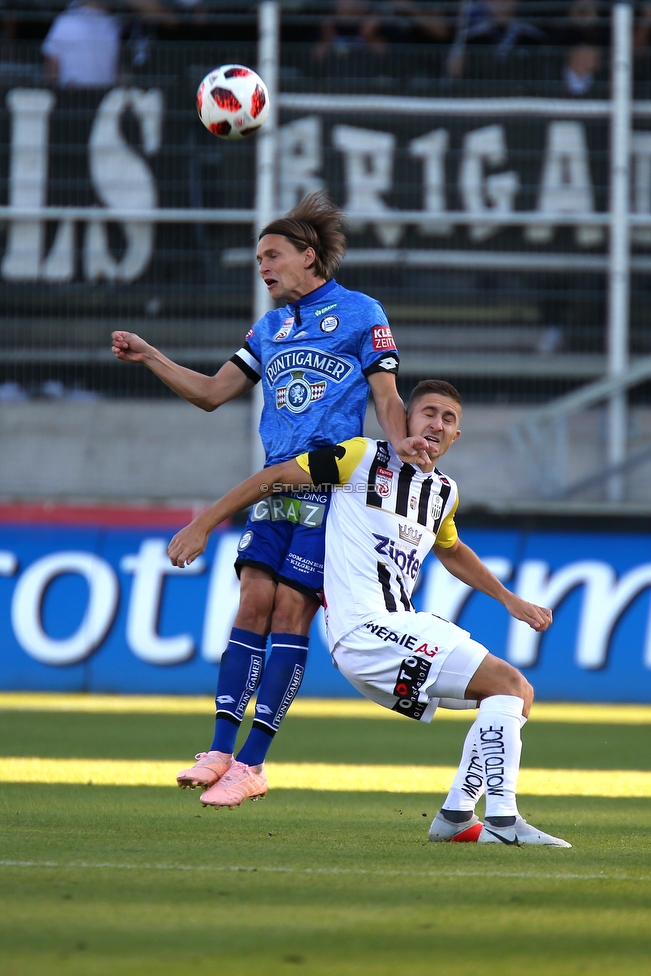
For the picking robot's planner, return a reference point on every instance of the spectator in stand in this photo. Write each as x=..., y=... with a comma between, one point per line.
x=353, y=24
x=642, y=32
x=82, y=47
x=415, y=23
x=490, y=22
x=583, y=35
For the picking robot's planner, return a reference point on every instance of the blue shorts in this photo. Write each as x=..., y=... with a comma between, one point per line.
x=285, y=537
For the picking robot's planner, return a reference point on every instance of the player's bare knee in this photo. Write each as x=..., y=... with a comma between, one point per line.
x=254, y=611
x=514, y=683
x=522, y=689
x=292, y=612
x=497, y=677
x=253, y=617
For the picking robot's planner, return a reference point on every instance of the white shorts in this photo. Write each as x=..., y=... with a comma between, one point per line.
x=408, y=661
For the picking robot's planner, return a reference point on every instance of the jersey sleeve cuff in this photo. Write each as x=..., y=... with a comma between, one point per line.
x=249, y=365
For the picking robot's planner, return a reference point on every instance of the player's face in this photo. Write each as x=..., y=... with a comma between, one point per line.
x=436, y=418
x=286, y=272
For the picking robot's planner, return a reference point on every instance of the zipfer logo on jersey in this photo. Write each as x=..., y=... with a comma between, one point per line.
x=406, y=562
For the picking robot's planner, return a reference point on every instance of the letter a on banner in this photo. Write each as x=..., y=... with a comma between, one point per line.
x=566, y=184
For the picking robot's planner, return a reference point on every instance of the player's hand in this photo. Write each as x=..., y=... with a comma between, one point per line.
x=187, y=545
x=538, y=618
x=413, y=450
x=129, y=347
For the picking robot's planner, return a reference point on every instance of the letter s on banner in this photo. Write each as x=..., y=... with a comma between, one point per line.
x=28, y=597
x=122, y=178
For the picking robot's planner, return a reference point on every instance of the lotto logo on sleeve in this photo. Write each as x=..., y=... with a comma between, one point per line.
x=382, y=338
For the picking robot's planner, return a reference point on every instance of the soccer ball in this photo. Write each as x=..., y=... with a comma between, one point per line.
x=232, y=101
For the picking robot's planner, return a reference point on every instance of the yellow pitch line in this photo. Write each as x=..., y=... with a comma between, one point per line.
x=304, y=708
x=326, y=776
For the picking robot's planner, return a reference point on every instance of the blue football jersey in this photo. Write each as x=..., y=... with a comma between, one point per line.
x=314, y=357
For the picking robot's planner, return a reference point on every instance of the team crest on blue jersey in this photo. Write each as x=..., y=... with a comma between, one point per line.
x=299, y=393
x=282, y=333
x=329, y=324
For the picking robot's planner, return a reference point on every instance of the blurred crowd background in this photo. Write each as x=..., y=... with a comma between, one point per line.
x=120, y=34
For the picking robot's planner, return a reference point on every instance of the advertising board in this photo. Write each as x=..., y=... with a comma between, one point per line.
x=99, y=608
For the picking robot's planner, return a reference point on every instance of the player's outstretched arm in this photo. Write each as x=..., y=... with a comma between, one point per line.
x=391, y=415
x=207, y=392
x=191, y=541
x=462, y=562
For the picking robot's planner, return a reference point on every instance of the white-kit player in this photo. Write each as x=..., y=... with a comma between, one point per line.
x=384, y=518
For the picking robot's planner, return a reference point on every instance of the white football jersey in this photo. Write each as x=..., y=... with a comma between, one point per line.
x=384, y=517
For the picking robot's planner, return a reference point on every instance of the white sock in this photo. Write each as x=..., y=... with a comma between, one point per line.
x=468, y=783
x=500, y=746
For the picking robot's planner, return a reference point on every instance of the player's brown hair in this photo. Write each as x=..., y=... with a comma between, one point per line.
x=434, y=386
x=315, y=222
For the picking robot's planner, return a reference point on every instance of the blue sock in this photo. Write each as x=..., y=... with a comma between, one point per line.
x=281, y=680
x=240, y=672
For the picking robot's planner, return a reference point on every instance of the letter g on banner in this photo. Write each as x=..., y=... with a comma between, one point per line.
x=103, y=592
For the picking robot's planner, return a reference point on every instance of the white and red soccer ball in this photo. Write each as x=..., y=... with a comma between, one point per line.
x=232, y=101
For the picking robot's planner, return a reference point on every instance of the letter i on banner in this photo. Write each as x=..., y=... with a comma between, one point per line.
x=30, y=110
x=431, y=150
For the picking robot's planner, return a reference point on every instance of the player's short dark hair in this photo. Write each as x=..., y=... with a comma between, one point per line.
x=441, y=387
x=315, y=222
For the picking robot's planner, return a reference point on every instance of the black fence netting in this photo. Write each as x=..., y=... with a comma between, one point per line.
x=509, y=312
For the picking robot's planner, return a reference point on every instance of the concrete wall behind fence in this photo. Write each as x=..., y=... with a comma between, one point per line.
x=171, y=451
x=125, y=450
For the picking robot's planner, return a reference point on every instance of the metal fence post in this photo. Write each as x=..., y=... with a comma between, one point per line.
x=619, y=256
x=265, y=184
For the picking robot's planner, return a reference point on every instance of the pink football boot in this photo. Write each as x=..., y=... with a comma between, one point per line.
x=239, y=783
x=209, y=767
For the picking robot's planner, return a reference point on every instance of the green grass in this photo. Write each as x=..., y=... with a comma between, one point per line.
x=314, y=883
x=178, y=737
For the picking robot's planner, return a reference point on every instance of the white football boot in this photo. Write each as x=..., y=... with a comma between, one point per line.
x=520, y=834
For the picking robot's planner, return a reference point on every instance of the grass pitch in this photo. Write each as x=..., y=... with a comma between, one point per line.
x=101, y=880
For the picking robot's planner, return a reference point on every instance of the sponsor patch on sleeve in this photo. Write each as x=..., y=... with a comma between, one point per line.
x=249, y=334
x=382, y=338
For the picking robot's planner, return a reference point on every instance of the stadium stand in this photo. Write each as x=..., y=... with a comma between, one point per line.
x=515, y=314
